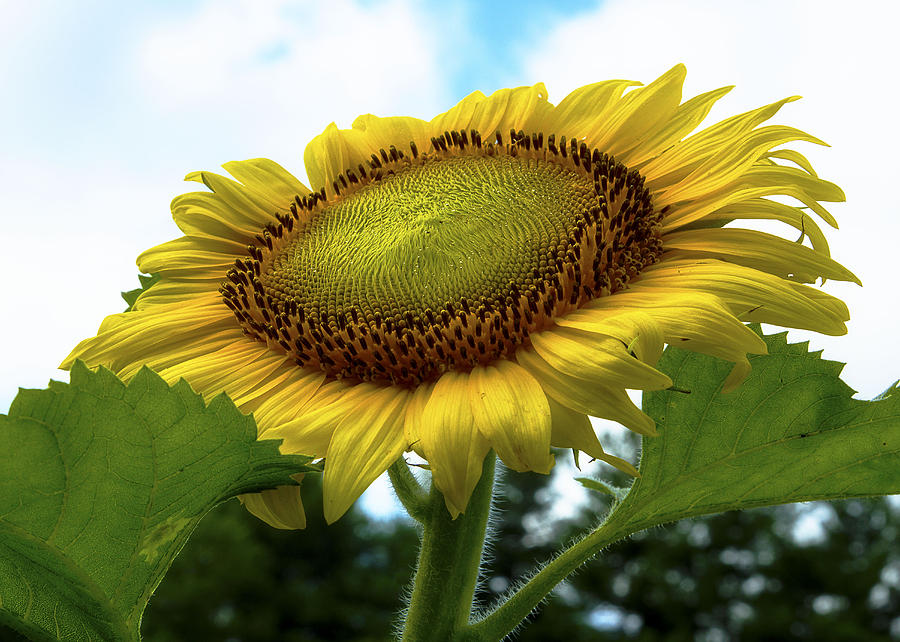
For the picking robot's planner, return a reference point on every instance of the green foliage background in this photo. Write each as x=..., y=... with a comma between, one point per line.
x=739, y=575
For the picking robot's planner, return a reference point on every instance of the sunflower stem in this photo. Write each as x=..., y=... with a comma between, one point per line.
x=409, y=491
x=449, y=561
x=510, y=613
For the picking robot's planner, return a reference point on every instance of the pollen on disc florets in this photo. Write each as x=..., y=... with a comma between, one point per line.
x=421, y=263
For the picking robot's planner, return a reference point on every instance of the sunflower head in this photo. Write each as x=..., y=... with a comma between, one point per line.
x=388, y=282
x=488, y=279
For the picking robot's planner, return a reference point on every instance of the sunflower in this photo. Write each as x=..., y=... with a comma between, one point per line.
x=485, y=280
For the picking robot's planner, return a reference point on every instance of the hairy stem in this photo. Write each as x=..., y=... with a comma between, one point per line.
x=449, y=560
x=513, y=611
x=411, y=494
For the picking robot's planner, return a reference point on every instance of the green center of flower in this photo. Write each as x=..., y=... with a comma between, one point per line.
x=445, y=260
x=465, y=227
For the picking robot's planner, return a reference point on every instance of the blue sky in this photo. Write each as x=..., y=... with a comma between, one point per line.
x=499, y=33
x=107, y=105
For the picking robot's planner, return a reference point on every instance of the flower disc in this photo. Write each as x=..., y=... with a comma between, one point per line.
x=446, y=260
x=439, y=231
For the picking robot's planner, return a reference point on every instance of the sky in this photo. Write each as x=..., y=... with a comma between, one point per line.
x=107, y=105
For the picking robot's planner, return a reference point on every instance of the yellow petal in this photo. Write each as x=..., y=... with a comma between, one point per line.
x=683, y=214
x=682, y=158
x=169, y=354
x=311, y=431
x=731, y=162
x=522, y=105
x=691, y=320
x=372, y=133
x=459, y=116
x=336, y=150
x=572, y=429
x=157, y=335
x=269, y=180
x=641, y=112
x=736, y=377
x=282, y=396
x=412, y=423
x=816, y=188
x=279, y=507
x=752, y=295
x=451, y=442
x=686, y=118
x=764, y=209
x=188, y=254
x=179, y=290
x=793, y=156
x=501, y=111
x=636, y=329
x=587, y=397
x=511, y=411
x=596, y=357
x=203, y=214
x=585, y=106
x=326, y=156
x=487, y=114
x=756, y=250
x=364, y=444
x=233, y=369
x=243, y=204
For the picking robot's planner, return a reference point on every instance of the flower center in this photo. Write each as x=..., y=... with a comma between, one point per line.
x=444, y=260
x=443, y=231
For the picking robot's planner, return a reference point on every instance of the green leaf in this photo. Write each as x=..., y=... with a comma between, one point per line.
x=146, y=281
x=602, y=487
x=101, y=483
x=790, y=433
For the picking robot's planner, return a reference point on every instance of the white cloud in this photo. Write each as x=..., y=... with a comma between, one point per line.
x=279, y=71
x=840, y=57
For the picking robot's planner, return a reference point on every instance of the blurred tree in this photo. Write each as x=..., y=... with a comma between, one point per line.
x=741, y=575
x=749, y=575
x=241, y=580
